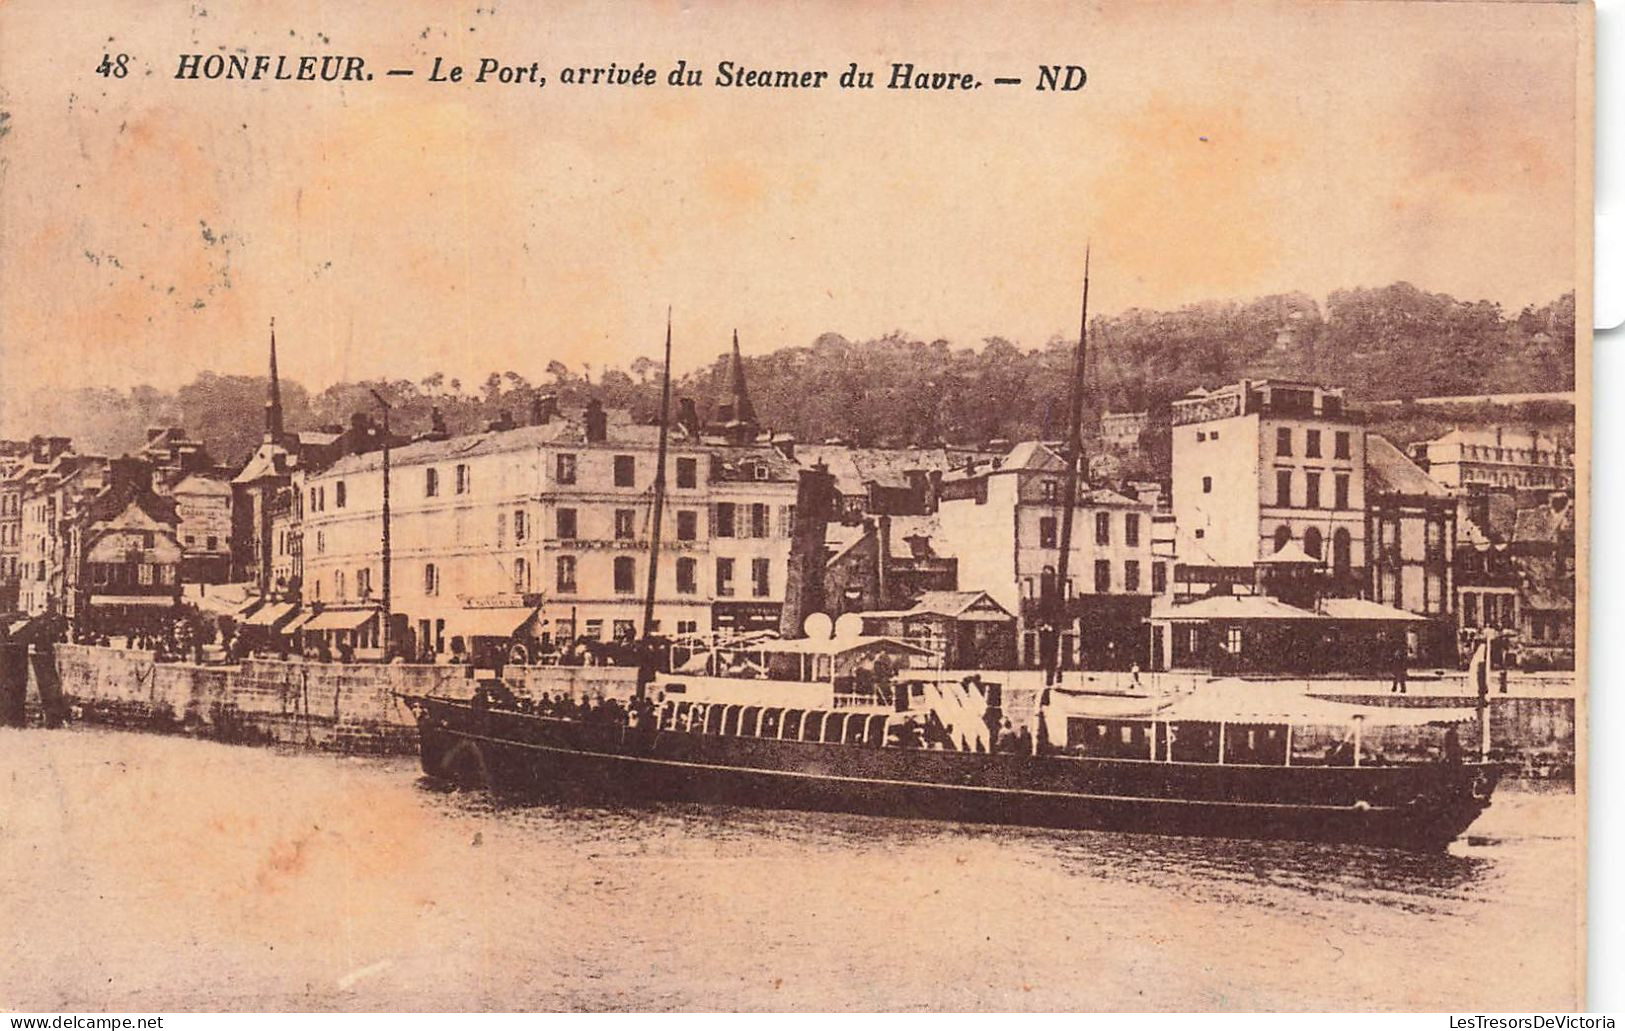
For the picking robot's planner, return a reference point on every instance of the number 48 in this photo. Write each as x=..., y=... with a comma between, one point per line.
x=118, y=67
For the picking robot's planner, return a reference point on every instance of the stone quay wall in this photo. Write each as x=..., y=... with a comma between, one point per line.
x=345, y=707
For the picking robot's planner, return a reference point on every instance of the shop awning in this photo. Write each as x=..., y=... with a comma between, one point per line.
x=340, y=619
x=298, y=622
x=504, y=621
x=152, y=601
x=271, y=614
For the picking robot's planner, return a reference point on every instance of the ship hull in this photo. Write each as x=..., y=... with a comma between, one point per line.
x=1416, y=807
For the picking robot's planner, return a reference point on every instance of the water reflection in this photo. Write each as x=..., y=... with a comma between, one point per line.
x=1222, y=870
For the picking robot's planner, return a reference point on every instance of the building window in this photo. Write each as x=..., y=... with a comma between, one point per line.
x=626, y=574
x=688, y=525
x=1159, y=577
x=1103, y=576
x=1311, y=490
x=338, y=584
x=521, y=576
x=1283, y=535
x=1311, y=444
x=565, y=518
x=313, y=506
x=363, y=584
x=1131, y=529
x=431, y=483
x=143, y=573
x=758, y=520
x=760, y=573
x=1232, y=640
x=1046, y=531
x=1207, y=485
x=1049, y=490
x=1283, y=488
x=1340, y=443
x=1103, y=528
x=566, y=573
x=1131, y=576
x=1311, y=542
x=1283, y=441
x=565, y=469
x=725, y=577
x=687, y=575
x=1342, y=551
x=1340, y=491
x=211, y=543
x=625, y=470
x=519, y=526
x=688, y=472
x=725, y=519
x=321, y=542
x=462, y=479
x=339, y=494
x=624, y=519
x=431, y=579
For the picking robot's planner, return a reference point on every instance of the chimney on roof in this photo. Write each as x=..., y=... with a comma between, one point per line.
x=437, y=425
x=688, y=416
x=786, y=446
x=544, y=408
x=597, y=422
x=503, y=421
x=362, y=433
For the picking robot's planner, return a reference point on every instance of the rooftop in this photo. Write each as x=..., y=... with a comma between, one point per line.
x=1389, y=471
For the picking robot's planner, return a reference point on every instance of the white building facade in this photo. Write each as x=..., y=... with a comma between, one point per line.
x=555, y=518
x=1004, y=522
x=1260, y=464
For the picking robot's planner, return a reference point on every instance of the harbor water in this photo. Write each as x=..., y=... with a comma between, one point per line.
x=151, y=873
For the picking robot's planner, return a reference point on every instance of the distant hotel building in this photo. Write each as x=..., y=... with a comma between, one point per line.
x=1497, y=457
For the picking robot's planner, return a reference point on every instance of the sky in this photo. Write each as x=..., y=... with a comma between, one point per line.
x=151, y=228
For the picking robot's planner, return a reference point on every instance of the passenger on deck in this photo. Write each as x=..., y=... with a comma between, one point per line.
x=1452, y=746
x=908, y=734
x=1006, y=740
x=1340, y=754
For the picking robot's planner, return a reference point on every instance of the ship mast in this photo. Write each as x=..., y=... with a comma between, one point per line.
x=646, y=668
x=1059, y=618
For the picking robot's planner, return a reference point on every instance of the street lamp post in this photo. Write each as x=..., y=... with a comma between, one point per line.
x=383, y=635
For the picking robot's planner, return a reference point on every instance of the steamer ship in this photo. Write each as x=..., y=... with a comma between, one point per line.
x=841, y=722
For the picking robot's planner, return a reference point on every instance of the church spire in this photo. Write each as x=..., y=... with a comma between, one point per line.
x=273, y=405
x=744, y=413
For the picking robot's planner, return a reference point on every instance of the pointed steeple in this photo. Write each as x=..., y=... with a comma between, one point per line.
x=273, y=404
x=744, y=413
